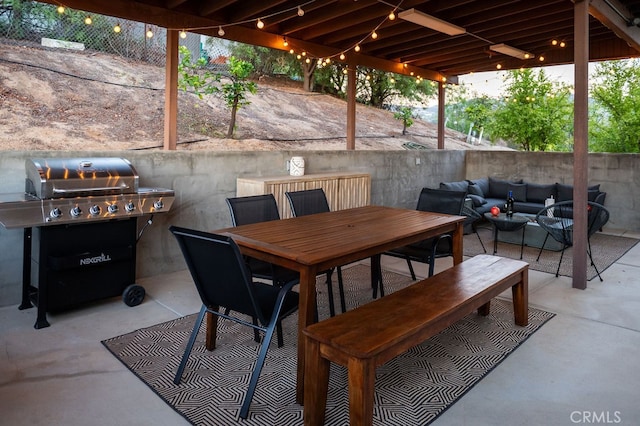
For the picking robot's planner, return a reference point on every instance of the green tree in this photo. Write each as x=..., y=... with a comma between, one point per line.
x=536, y=114
x=614, y=122
x=380, y=88
x=204, y=82
x=235, y=91
x=406, y=115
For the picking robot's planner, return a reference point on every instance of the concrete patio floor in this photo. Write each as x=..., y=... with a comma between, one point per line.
x=579, y=368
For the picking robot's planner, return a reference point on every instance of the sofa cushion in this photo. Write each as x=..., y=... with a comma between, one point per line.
x=482, y=184
x=475, y=190
x=565, y=192
x=460, y=186
x=519, y=191
x=499, y=188
x=477, y=200
x=538, y=193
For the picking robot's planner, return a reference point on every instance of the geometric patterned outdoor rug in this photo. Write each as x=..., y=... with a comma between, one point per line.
x=412, y=389
x=606, y=250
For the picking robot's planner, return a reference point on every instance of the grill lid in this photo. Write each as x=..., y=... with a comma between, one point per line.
x=74, y=177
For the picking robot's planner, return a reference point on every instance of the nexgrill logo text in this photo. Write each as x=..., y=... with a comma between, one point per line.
x=96, y=259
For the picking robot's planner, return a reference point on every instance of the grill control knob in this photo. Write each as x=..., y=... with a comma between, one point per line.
x=55, y=213
x=129, y=207
x=95, y=210
x=158, y=205
x=113, y=208
x=76, y=211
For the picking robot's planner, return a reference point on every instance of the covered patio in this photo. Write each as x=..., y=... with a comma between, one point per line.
x=430, y=41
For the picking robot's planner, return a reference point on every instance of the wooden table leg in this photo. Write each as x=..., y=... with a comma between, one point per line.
x=306, y=316
x=520, y=295
x=457, y=244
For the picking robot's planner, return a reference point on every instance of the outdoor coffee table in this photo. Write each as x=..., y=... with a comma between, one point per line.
x=504, y=223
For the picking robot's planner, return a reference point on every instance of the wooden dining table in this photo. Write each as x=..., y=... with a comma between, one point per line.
x=313, y=243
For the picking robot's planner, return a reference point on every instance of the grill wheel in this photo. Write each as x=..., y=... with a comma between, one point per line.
x=133, y=295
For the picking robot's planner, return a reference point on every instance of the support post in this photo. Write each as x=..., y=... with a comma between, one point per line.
x=441, y=104
x=171, y=92
x=580, y=143
x=351, y=104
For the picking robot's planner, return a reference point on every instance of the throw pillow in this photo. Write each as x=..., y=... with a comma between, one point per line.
x=565, y=192
x=519, y=191
x=477, y=200
x=482, y=184
x=538, y=193
x=475, y=190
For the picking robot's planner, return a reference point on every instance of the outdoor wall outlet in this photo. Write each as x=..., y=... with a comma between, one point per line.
x=417, y=161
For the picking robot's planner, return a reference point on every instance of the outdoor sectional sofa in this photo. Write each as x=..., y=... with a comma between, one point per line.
x=485, y=193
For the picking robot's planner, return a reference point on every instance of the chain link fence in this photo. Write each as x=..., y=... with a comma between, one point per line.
x=32, y=21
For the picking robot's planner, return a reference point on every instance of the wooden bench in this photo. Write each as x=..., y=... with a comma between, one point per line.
x=372, y=334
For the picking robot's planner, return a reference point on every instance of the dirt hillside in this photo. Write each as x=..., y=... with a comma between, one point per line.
x=56, y=99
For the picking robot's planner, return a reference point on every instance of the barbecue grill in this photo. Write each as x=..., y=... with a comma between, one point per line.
x=80, y=230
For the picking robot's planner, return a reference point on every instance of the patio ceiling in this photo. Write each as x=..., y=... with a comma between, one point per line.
x=331, y=27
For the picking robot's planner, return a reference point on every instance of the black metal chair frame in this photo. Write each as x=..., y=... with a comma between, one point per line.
x=438, y=201
x=557, y=220
x=232, y=288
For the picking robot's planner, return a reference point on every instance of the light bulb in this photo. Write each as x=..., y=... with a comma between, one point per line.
x=60, y=10
x=149, y=33
x=308, y=60
x=563, y=44
x=392, y=16
x=368, y=77
x=328, y=60
x=304, y=53
x=88, y=20
x=344, y=71
x=374, y=35
x=554, y=42
x=299, y=56
x=342, y=57
x=300, y=11
x=527, y=56
x=541, y=58
x=220, y=31
x=183, y=34
x=260, y=24
x=357, y=48
x=392, y=80
x=499, y=66
x=285, y=43
x=444, y=79
x=291, y=51
x=117, y=28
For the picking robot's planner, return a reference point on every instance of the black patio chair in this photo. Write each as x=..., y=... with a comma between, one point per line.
x=222, y=279
x=557, y=220
x=427, y=251
x=312, y=201
x=254, y=209
x=473, y=217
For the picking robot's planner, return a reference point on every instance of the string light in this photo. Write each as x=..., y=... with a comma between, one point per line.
x=374, y=35
x=260, y=24
x=149, y=33
x=357, y=48
x=541, y=58
x=60, y=10
x=554, y=42
x=285, y=43
x=291, y=51
x=220, y=31
x=300, y=11
x=563, y=44
x=342, y=57
x=499, y=66
x=88, y=20
x=183, y=34
x=117, y=28
x=392, y=16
